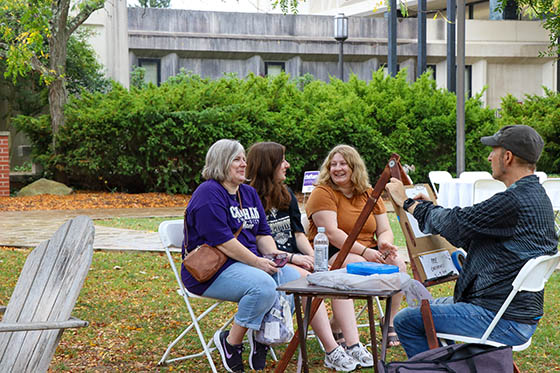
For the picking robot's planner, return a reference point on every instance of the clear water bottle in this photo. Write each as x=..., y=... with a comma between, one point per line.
x=321, y=246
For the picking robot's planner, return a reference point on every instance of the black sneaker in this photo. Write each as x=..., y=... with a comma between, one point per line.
x=257, y=358
x=231, y=355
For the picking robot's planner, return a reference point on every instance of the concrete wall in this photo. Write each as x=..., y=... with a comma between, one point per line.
x=510, y=78
x=214, y=43
x=110, y=40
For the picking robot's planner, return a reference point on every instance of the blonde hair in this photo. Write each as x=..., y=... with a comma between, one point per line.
x=359, y=178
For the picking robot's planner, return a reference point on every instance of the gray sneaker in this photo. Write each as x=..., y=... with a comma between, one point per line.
x=339, y=360
x=361, y=354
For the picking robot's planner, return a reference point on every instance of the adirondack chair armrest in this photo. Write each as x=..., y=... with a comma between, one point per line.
x=44, y=325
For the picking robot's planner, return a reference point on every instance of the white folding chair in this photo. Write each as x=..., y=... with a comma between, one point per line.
x=305, y=222
x=171, y=235
x=438, y=177
x=532, y=277
x=542, y=176
x=552, y=188
x=474, y=175
x=486, y=188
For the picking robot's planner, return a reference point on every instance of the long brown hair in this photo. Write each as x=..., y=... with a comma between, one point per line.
x=263, y=159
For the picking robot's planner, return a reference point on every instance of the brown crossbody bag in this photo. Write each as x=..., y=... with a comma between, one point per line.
x=204, y=261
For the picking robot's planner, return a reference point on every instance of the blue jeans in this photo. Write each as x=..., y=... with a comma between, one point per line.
x=253, y=289
x=456, y=318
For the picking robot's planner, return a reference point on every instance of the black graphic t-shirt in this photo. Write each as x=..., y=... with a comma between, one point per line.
x=284, y=224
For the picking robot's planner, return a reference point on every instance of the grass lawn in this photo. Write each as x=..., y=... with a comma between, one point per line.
x=134, y=312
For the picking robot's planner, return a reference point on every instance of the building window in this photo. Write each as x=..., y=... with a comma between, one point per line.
x=274, y=68
x=153, y=70
x=386, y=69
x=468, y=81
x=432, y=68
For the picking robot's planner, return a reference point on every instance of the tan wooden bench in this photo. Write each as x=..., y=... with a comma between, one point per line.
x=45, y=294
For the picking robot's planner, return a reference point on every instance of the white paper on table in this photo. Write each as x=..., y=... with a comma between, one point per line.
x=437, y=264
x=411, y=193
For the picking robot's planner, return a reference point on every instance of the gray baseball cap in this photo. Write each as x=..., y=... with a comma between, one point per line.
x=523, y=141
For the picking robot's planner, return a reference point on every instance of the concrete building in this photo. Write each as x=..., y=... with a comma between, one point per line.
x=502, y=55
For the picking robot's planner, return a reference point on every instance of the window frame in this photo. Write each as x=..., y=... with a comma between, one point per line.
x=158, y=66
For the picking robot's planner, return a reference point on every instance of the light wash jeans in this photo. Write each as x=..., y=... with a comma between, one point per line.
x=456, y=318
x=253, y=289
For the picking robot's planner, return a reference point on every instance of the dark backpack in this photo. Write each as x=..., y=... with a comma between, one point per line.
x=457, y=358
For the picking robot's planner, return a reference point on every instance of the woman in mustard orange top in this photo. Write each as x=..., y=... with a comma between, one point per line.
x=336, y=202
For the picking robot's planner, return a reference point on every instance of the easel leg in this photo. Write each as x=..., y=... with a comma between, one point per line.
x=302, y=329
x=372, y=333
x=385, y=327
x=429, y=324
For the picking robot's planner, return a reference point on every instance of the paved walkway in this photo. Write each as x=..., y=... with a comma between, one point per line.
x=29, y=228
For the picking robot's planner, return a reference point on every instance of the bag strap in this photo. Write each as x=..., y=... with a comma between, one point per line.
x=186, y=231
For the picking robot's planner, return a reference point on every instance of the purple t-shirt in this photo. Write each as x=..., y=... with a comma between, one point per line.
x=213, y=216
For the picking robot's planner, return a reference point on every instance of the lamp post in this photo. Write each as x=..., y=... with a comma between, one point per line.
x=340, y=34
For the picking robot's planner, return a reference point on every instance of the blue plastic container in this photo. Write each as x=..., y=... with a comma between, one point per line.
x=370, y=268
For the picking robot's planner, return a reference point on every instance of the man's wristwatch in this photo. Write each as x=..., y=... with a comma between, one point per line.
x=407, y=203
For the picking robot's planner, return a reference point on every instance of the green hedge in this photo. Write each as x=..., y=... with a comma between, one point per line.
x=155, y=138
x=543, y=114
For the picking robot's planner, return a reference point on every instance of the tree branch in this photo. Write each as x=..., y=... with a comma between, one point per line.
x=34, y=62
x=38, y=66
x=88, y=8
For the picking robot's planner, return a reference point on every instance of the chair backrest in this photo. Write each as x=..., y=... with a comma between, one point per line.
x=532, y=277
x=474, y=175
x=438, y=177
x=552, y=188
x=171, y=235
x=542, y=176
x=536, y=272
x=305, y=222
x=46, y=291
x=486, y=188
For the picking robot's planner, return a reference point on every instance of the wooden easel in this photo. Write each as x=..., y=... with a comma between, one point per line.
x=392, y=169
x=418, y=246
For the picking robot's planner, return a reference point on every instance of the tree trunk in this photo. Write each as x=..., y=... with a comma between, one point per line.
x=57, y=100
x=58, y=46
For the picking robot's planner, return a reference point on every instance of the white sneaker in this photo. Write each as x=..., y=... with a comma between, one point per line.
x=361, y=354
x=339, y=360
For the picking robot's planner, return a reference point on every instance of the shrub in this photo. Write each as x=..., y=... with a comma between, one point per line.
x=543, y=114
x=153, y=138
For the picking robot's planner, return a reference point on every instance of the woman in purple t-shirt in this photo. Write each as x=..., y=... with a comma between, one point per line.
x=217, y=209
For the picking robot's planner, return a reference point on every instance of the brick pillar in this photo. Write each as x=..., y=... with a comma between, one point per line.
x=4, y=164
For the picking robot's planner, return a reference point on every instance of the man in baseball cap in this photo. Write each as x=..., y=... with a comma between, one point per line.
x=500, y=235
x=523, y=141
x=516, y=144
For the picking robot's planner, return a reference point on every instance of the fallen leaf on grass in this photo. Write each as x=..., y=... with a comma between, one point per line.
x=92, y=200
